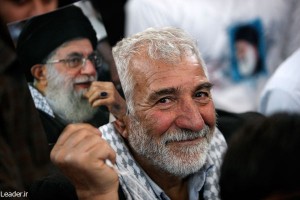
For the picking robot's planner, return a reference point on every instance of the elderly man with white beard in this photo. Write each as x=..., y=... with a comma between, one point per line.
x=167, y=146
x=58, y=51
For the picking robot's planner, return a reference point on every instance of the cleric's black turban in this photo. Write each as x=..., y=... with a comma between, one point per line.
x=247, y=33
x=43, y=34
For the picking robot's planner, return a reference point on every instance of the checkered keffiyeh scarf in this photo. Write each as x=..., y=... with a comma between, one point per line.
x=133, y=180
x=40, y=101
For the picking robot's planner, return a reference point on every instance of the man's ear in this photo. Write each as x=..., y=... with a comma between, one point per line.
x=38, y=71
x=122, y=126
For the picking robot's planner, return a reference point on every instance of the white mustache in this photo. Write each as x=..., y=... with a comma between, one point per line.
x=84, y=79
x=182, y=135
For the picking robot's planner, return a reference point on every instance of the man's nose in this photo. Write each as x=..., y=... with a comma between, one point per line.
x=88, y=67
x=189, y=116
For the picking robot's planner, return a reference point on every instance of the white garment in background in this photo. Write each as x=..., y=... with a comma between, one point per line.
x=208, y=21
x=282, y=91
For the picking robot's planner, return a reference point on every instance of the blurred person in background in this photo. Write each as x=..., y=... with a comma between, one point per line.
x=262, y=160
x=15, y=10
x=282, y=91
x=24, y=153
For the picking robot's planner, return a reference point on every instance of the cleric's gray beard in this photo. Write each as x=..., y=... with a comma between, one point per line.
x=65, y=102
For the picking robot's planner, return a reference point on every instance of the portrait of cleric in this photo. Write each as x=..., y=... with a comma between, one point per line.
x=247, y=50
x=66, y=60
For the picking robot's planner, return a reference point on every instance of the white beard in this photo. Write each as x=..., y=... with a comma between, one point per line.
x=177, y=161
x=64, y=100
x=247, y=65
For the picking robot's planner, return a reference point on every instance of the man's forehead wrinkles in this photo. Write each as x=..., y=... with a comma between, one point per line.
x=155, y=76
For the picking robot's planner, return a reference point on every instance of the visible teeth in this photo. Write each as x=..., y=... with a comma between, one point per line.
x=84, y=79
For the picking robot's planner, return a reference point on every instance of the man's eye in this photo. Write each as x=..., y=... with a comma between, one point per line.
x=202, y=94
x=164, y=100
x=203, y=97
x=74, y=62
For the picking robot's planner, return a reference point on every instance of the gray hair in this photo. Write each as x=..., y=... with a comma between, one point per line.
x=167, y=44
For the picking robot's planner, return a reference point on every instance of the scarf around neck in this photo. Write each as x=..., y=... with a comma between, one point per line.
x=40, y=101
x=133, y=179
